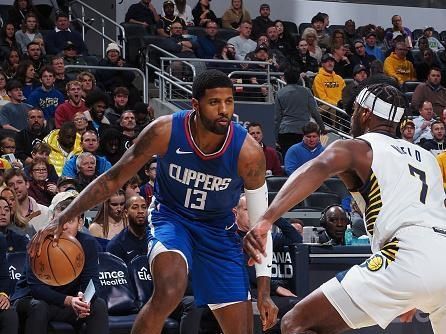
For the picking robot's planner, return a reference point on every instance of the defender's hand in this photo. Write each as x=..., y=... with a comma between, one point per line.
x=254, y=242
x=268, y=311
x=54, y=228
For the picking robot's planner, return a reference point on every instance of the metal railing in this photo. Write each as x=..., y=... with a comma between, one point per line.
x=130, y=69
x=84, y=22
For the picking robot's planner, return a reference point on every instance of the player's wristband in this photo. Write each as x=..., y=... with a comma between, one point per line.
x=264, y=268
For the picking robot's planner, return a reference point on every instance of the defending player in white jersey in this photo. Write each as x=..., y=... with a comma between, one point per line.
x=400, y=187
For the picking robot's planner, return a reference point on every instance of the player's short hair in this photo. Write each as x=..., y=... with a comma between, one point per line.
x=209, y=79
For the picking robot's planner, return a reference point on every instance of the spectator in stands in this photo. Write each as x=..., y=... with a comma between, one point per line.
x=336, y=38
x=202, y=13
x=4, y=165
x=360, y=57
x=72, y=57
x=351, y=90
x=242, y=43
x=432, y=91
x=26, y=74
x=273, y=164
x=282, y=45
x=65, y=112
x=39, y=187
x=334, y=220
x=397, y=65
x=18, y=11
x=13, y=114
x=56, y=40
x=131, y=187
x=35, y=213
x=111, y=79
x=309, y=148
x=131, y=241
x=294, y=106
x=42, y=150
x=88, y=82
x=184, y=11
x=276, y=57
x=127, y=124
x=422, y=43
x=342, y=66
x=178, y=44
x=310, y=36
x=57, y=62
x=165, y=22
x=64, y=143
x=303, y=61
x=31, y=135
x=110, y=145
x=144, y=13
x=285, y=38
x=147, y=189
x=407, y=128
x=29, y=31
x=7, y=40
x=261, y=22
x=7, y=149
x=209, y=45
x=11, y=63
x=97, y=103
x=437, y=144
x=111, y=218
x=423, y=123
x=399, y=30
x=85, y=170
x=323, y=38
x=144, y=114
x=441, y=159
x=89, y=143
x=422, y=68
x=235, y=15
x=434, y=43
x=80, y=122
x=18, y=224
x=4, y=98
x=371, y=48
x=261, y=54
x=47, y=98
x=120, y=101
x=38, y=303
x=328, y=86
x=227, y=52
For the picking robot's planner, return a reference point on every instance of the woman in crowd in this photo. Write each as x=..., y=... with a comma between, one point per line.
x=202, y=13
x=80, y=122
x=285, y=42
x=303, y=60
x=29, y=32
x=4, y=98
x=111, y=218
x=40, y=188
x=235, y=15
x=18, y=12
x=26, y=74
x=19, y=224
x=310, y=36
x=7, y=40
x=11, y=63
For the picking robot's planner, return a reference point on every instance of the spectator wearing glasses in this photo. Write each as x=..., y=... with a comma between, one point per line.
x=397, y=65
x=40, y=188
x=42, y=151
x=360, y=56
x=209, y=45
x=184, y=11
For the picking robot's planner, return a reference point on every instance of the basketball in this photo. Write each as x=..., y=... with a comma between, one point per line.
x=61, y=264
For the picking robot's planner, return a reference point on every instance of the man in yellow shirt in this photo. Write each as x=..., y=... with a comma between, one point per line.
x=441, y=158
x=397, y=66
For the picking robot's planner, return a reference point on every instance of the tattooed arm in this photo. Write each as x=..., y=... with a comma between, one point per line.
x=153, y=140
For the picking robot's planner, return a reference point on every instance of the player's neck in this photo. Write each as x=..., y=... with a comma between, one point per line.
x=207, y=141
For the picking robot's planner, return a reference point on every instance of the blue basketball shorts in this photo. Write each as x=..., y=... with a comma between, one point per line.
x=213, y=252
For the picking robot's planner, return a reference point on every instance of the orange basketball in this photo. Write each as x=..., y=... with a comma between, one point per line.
x=60, y=264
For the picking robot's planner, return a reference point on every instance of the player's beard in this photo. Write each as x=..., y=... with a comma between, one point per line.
x=213, y=126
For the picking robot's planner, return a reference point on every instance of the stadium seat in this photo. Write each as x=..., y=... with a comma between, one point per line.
x=16, y=263
x=197, y=31
x=417, y=33
x=303, y=26
x=409, y=86
x=443, y=37
x=336, y=186
x=290, y=27
x=274, y=183
x=225, y=34
x=320, y=200
x=141, y=279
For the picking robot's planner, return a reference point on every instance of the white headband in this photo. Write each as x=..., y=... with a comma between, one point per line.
x=380, y=108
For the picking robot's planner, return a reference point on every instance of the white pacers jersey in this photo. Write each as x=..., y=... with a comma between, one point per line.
x=405, y=188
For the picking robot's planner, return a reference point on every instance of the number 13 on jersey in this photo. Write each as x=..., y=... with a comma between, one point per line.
x=195, y=199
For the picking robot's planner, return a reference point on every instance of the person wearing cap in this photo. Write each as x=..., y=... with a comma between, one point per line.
x=164, y=23
x=13, y=115
x=202, y=13
x=111, y=79
x=72, y=57
x=398, y=66
x=261, y=22
x=235, y=15
x=243, y=43
x=328, y=85
x=65, y=183
x=437, y=144
x=432, y=90
x=351, y=89
x=371, y=48
x=56, y=39
x=360, y=56
x=143, y=13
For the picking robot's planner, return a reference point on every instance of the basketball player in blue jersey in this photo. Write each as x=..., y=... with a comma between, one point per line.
x=399, y=187
x=203, y=161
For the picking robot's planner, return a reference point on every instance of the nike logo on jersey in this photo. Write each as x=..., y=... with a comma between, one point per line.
x=179, y=151
x=129, y=252
x=228, y=228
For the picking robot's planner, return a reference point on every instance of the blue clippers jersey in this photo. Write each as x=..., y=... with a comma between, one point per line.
x=195, y=185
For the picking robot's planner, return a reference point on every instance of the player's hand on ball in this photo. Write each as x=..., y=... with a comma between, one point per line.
x=268, y=311
x=54, y=228
x=254, y=242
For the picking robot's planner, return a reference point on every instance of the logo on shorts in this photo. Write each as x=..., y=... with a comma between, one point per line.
x=375, y=262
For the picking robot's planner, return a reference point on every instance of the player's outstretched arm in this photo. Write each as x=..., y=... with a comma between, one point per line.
x=340, y=156
x=153, y=140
